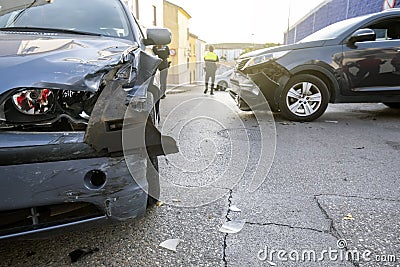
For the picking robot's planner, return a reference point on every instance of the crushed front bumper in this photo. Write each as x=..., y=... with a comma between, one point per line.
x=36, y=197
x=246, y=92
x=266, y=79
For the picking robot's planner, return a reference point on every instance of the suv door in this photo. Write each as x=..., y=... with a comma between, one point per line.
x=373, y=67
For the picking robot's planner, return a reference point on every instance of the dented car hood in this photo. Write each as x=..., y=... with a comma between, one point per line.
x=67, y=62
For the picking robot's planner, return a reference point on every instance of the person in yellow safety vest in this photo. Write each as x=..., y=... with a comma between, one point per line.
x=210, y=60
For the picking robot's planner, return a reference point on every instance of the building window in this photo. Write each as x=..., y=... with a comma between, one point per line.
x=154, y=15
x=137, y=9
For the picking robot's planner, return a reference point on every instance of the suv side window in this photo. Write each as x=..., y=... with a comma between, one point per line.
x=388, y=29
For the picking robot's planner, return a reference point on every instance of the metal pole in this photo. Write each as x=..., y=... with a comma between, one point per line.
x=288, y=23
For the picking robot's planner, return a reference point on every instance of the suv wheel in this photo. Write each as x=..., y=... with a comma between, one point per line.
x=305, y=98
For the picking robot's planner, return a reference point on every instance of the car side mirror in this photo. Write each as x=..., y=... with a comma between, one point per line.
x=361, y=35
x=158, y=36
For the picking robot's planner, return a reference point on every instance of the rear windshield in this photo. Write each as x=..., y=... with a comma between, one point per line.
x=107, y=18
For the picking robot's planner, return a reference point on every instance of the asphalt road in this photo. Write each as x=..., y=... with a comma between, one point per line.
x=330, y=190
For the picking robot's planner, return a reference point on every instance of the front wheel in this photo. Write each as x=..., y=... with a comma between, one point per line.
x=305, y=98
x=395, y=105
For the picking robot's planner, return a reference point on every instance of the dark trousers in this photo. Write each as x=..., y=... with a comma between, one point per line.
x=210, y=74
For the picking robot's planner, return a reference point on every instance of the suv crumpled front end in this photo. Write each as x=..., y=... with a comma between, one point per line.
x=259, y=68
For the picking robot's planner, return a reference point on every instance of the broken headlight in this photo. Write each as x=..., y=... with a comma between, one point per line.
x=34, y=101
x=30, y=106
x=264, y=57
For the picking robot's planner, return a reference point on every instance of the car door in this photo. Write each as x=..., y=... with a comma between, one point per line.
x=373, y=67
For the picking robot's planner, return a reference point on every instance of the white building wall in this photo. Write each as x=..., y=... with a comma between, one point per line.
x=228, y=54
x=200, y=53
x=146, y=12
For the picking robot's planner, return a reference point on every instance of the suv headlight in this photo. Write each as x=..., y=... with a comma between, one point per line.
x=264, y=57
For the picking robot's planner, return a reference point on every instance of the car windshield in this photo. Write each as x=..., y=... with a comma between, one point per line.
x=106, y=18
x=332, y=31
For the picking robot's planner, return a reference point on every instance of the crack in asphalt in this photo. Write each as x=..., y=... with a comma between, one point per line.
x=359, y=197
x=333, y=231
x=288, y=226
x=226, y=235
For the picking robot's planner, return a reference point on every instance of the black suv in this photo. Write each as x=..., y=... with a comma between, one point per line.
x=351, y=61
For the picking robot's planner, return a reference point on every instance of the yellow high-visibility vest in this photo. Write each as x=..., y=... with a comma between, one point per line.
x=211, y=56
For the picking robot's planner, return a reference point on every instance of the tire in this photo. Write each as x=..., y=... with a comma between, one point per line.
x=153, y=180
x=222, y=85
x=395, y=105
x=305, y=98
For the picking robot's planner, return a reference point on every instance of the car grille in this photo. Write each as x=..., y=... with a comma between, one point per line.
x=241, y=63
x=21, y=220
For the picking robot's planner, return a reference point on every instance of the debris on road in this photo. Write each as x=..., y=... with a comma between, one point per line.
x=287, y=123
x=170, y=244
x=232, y=227
x=332, y=122
x=159, y=203
x=81, y=252
x=348, y=217
x=359, y=148
x=234, y=208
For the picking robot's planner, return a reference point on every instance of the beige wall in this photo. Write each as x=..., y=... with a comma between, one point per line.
x=192, y=57
x=171, y=22
x=177, y=20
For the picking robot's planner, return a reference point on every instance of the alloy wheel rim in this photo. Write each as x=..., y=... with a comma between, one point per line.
x=304, y=99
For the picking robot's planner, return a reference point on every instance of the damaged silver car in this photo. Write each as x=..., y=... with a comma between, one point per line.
x=69, y=71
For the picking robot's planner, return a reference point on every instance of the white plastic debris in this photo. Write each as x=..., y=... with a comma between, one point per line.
x=232, y=227
x=170, y=244
x=331, y=121
x=348, y=217
x=234, y=208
